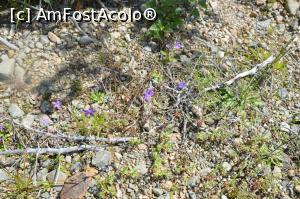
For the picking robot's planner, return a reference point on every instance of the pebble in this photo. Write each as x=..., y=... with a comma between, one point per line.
x=55, y=39
x=84, y=40
x=39, y=45
x=3, y=176
x=263, y=25
x=141, y=168
x=283, y=93
x=115, y=35
x=28, y=120
x=61, y=177
x=297, y=188
x=15, y=111
x=227, y=166
x=292, y=6
x=102, y=159
x=157, y=192
x=6, y=67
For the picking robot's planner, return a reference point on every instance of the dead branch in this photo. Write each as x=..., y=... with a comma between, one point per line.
x=253, y=71
x=51, y=150
x=8, y=44
x=77, y=138
x=257, y=68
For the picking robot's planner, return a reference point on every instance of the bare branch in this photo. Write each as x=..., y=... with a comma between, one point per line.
x=51, y=150
x=8, y=44
x=77, y=138
x=253, y=71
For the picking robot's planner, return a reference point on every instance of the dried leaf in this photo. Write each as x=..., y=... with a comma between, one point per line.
x=75, y=187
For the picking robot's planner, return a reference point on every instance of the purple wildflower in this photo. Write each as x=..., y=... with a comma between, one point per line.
x=181, y=85
x=56, y=104
x=1, y=127
x=148, y=94
x=89, y=112
x=168, y=46
x=44, y=121
x=177, y=45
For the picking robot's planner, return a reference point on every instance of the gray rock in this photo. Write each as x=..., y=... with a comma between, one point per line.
x=3, y=176
x=192, y=182
x=205, y=171
x=141, y=168
x=6, y=68
x=19, y=74
x=263, y=25
x=102, y=159
x=44, y=39
x=15, y=111
x=61, y=177
x=285, y=127
x=76, y=167
x=39, y=45
x=147, y=48
x=45, y=195
x=185, y=59
x=292, y=6
x=28, y=120
x=220, y=54
x=192, y=195
x=157, y=192
x=84, y=40
x=115, y=35
x=45, y=107
x=42, y=174
x=55, y=39
x=283, y=93
x=226, y=166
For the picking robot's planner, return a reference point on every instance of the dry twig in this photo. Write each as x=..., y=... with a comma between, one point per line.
x=8, y=44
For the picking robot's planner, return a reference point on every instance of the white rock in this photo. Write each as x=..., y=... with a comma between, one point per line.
x=226, y=166
x=15, y=111
x=292, y=6
x=3, y=175
x=6, y=68
x=28, y=120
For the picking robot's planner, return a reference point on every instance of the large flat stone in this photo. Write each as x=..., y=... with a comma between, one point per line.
x=6, y=68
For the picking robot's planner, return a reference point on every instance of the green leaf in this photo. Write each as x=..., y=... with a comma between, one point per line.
x=202, y=3
x=48, y=1
x=195, y=12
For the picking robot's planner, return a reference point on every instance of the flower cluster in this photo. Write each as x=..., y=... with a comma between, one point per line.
x=177, y=45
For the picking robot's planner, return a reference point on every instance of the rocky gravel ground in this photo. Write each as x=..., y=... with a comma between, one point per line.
x=241, y=142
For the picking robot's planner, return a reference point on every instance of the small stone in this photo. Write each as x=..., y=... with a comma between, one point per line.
x=204, y=172
x=42, y=174
x=102, y=159
x=78, y=104
x=224, y=197
x=283, y=93
x=168, y=185
x=297, y=188
x=28, y=120
x=19, y=74
x=45, y=107
x=277, y=172
x=147, y=48
x=292, y=6
x=220, y=54
x=61, y=177
x=15, y=111
x=55, y=39
x=84, y=40
x=184, y=59
x=263, y=25
x=3, y=176
x=261, y=2
x=39, y=45
x=285, y=127
x=193, y=181
x=68, y=159
x=226, y=166
x=45, y=195
x=291, y=173
x=44, y=39
x=192, y=195
x=157, y=192
x=115, y=35
x=141, y=168
x=6, y=68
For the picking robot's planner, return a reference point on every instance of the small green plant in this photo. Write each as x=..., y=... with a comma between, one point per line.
x=159, y=168
x=107, y=187
x=97, y=97
x=129, y=172
x=171, y=15
x=92, y=125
